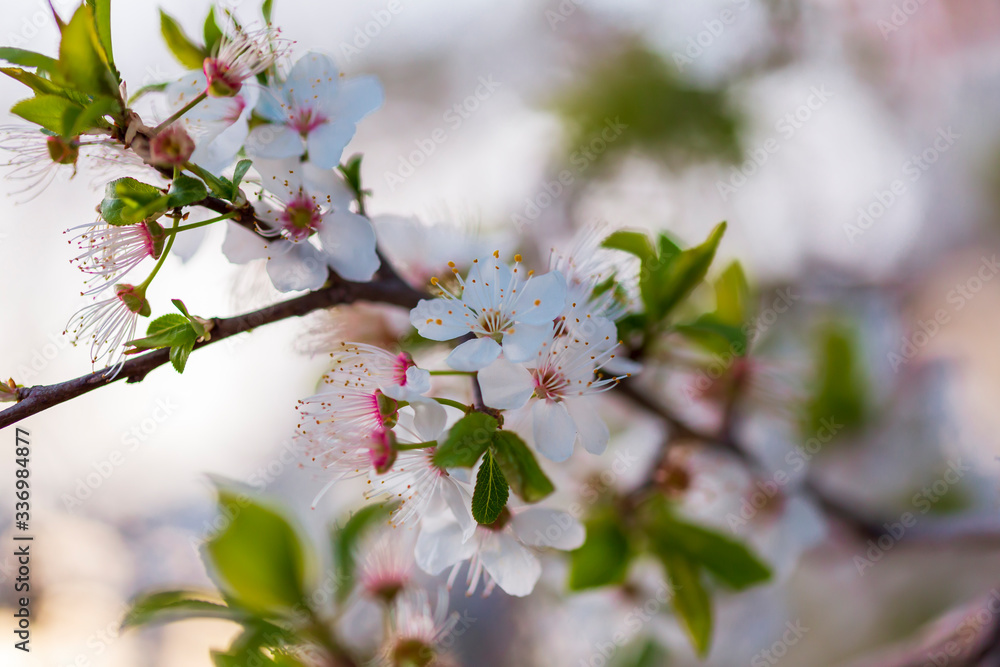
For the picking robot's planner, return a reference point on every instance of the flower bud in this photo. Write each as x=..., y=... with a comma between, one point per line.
x=134, y=298
x=63, y=151
x=221, y=80
x=382, y=450
x=8, y=391
x=171, y=147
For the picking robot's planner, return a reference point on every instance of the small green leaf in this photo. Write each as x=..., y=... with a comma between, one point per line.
x=92, y=117
x=635, y=243
x=211, y=31
x=83, y=64
x=145, y=90
x=167, y=606
x=604, y=557
x=345, y=542
x=466, y=442
x=520, y=468
x=165, y=331
x=56, y=114
x=102, y=22
x=841, y=386
x=714, y=335
x=669, y=279
x=28, y=59
x=732, y=295
x=643, y=652
x=185, y=190
x=266, y=9
x=128, y=201
x=352, y=173
x=187, y=52
x=691, y=601
x=491, y=493
x=238, y=173
x=197, y=326
x=179, y=354
x=44, y=86
x=258, y=558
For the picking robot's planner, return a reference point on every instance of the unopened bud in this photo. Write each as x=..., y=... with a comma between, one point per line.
x=8, y=391
x=382, y=450
x=134, y=298
x=171, y=147
x=63, y=151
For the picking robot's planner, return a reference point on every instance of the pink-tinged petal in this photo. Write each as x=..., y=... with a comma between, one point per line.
x=473, y=355
x=303, y=267
x=440, y=545
x=523, y=343
x=553, y=429
x=506, y=386
x=542, y=299
x=440, y=319
x=513, y=567
x=274, y=142
x=242, y=245
x=542, y=527
x=460, y=503
x=590, y=428
x=349, y=243
x=429, y=417
x=327, y=142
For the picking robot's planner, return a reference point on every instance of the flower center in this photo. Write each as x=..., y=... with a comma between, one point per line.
x=494, y=322
x=549, y=384
x=301, y=217
x=402, y=364
x=305, y=120
x=223, y=81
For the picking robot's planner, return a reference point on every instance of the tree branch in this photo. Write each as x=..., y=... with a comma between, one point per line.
x=387, y=288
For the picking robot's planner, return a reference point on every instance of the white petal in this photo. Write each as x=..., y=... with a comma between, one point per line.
x=590, y=428
x=327, y=142
x=303, y=267
x=514, y=568
x=429, y=418
x=349, y=243
x=542, y=527
x=542, y=299
x=553, y=429
x=418, y=380
x=439, y=319
x=441, y=546
x=187, y=244
x=524, y=342
x=473, y=354
x=506, y=386
x=242, y=245
x=360, y=96
x=460, y=503
x=313, y=79
x=274, y=141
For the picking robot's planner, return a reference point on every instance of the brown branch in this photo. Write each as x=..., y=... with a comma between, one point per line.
x=387, y=288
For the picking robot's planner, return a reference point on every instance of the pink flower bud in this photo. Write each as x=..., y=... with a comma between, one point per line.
x=171, y=147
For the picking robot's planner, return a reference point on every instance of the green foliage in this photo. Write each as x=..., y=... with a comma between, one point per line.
x=184, y=49
x=723, y=331
x=520, y=468
x=54, y=113
x=841, y=386
x=345, y=541
x=666, y=118
x=641, y=653
x=690, y=599
x=128, y=201
x=26, y=58
x=266, y=9
x=491, y=493
x=211, y=31
x=167, y=606
x=178, y=332
x=258, y=558
x=83, y=64
x=467, y=440
x=352, y=175
x=238, y=173
x=102, y=24
x=185, y=190
x=634, y=243
x=605, y=555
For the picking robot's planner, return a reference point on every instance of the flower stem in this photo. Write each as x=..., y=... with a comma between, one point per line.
x=183, y=110
x=454, y=404
x=163, y=256
x=416, y=445
x=194, y=225
x=452, y=372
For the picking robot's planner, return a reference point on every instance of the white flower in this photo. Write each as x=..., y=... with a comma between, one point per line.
x=499, y=554
x=307, y=204
x=241, y=55
x=37, y=157
x=599, y=281
x=504, y=308
x=109, y=252
x=313, y=112
x=218, y=125
x=417, y=631
x=385, y=565
x=112, y=322
x=560, y=383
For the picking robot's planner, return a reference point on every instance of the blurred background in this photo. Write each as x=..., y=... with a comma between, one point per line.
x=851, y=146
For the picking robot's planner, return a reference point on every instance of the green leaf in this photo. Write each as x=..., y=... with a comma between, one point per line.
x=266, y=9
x=165, y=331
x=352, y=173
x=102, y=22
x=635, y=243
x=128, y=201
x=491, y=493
x=56, y=114
x=728, y=560
x=92, y=117
x=28, y=59
x=258, y=558
x=180, y=352
x=197, y=326
x=520, y=468
x=246, y=649
x=643, y=652
x=345, y=542
x=842, y=388
x=185, y=190
x=732, y=296
x=604, y=557
x=669, y=279
x=719, y=337
x=44, y=86
x=167, y=606
x=211, y=31
x=466, y=442
x=83, y=64
x=145, y=90
x=187, y=52
x=241, y=170
x=691, y=601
